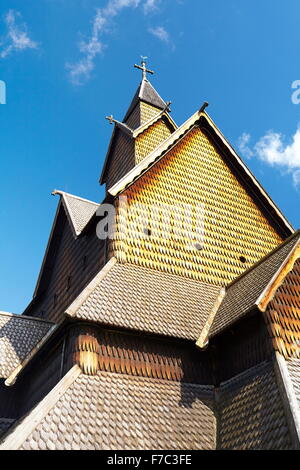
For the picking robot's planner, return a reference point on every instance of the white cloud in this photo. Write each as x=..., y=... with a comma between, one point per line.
x=243, y=145
x=160, y=33
x=150, y=5
x=17, y=38
x=81, y=70
x=273, y=149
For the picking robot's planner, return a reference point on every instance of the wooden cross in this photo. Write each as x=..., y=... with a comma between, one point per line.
x=143, y=67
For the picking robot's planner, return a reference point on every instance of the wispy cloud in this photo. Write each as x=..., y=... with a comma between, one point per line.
x=17, y=36
x=274, y=150
x=161, y=33
x=150, y=5
x=81, y=71
x=243, y=145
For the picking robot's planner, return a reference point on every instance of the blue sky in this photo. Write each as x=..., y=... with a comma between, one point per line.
x=68, y=64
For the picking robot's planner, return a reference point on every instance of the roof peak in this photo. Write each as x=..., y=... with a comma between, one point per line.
x=146, y=93
x=64, y=193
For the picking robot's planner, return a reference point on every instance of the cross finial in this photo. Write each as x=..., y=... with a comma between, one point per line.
x=110, y=119
x=143, y=67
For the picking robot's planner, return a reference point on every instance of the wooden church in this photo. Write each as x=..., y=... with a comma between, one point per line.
x=170, y=332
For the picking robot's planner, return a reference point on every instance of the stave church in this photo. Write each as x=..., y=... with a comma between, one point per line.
x=166, y=317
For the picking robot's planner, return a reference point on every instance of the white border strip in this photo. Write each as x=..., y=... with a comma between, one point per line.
x=291, y=402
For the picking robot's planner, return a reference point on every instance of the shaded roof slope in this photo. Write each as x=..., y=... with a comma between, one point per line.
x=243, y=293
x=143, y=299
x=79, y=210
x=251, y=412
x=293, y=366
x=18, y=336
x=113, y=411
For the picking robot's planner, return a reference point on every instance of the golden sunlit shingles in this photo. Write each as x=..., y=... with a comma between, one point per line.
x=193, y=174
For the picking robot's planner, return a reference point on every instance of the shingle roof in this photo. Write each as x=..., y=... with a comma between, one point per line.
x=18, y=336
x=143, y=299
x=79, y=211
x=147, y=93
x=243, y=293
x=113, y=411
x=251, y=412
x=293, y=366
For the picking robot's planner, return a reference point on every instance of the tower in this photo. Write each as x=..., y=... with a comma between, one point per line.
x=146, y=124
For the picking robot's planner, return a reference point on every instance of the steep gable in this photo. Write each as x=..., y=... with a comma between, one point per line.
x=193, y=174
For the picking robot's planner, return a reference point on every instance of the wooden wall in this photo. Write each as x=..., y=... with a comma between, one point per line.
x=71, y=265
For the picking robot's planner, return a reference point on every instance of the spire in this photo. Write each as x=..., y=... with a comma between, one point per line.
x=130, y=142
x=145, y=94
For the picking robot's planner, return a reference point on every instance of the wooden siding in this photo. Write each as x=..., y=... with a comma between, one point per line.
x=192, y=175
x=121, y=158
x=73, y=264
x=282, y=314
x=134, y=119
x=41, y=377
x=95, y=349
x=245, y=345
x=148, y=112
x=151, y=138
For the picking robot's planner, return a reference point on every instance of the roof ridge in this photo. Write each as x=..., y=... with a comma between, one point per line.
x=262, y=260
x=160, y=115
x=64, y=193
x=159, y=381
x=245, y=373
x=141, y=87
x=11, y=379
x=154, y=270
x=84, y=294
x=20, y=316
